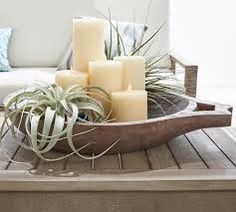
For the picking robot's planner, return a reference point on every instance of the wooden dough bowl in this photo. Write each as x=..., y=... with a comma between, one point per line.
x=185, y=115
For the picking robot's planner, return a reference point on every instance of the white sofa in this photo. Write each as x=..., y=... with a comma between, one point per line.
x=41, y=35
x=20, y=78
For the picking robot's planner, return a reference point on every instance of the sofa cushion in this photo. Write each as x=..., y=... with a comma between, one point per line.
x=20, y=78
x=5, y=34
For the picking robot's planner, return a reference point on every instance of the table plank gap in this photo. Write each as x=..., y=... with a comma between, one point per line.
x=120, y=160
x=224, y=142
x=135, y=160
x=8, y=148
x=176, y=162
x=25, y=159
x=184, y=154
x=6, y=128
x=93, y=162
x=199, y=155
x=210, y=153
x=148, y=159
x=161, y=158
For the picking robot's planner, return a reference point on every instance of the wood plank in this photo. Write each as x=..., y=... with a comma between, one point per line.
x=26, y=159
x=184, y=154
x=118, y=201
x=210, y=153
x=224, y=142
x=161, y=158
x=107, y=162
x=135, y=161
x=158, y=180
x=52, y=166
x=8, y=148
x=231, y=132
x=78, y=164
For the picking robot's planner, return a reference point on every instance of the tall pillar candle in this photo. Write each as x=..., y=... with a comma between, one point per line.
x=130, y=105
x=133, y=72
x=88, y=42
x=107, y=75
x=68, y=78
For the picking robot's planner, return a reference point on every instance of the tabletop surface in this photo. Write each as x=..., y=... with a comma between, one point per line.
x=199, y=158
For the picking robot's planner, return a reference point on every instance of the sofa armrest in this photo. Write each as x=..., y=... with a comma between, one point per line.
x=191, y=71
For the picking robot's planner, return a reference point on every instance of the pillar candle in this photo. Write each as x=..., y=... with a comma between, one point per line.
x=106, y=75
x=133, y=71
x=88, y=42
x=130, y=105
x=68, y=78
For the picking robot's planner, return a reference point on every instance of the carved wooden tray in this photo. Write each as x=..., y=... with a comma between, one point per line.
x=174, y=116
x=177, y=116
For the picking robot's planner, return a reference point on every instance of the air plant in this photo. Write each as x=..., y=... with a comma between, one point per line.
x=48, y=114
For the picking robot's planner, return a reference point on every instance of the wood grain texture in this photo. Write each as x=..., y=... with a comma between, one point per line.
x=208, y=151
x=219, y=201
x=24, y=160
x=135, y=160
x=185, y=155
x=107, y=162
x=158, y=180
x=225, y=142
x=161, y=158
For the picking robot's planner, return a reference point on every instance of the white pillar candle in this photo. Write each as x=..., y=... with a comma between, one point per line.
x=88, y=42
x=130, y=105
x=133, y=71
x=68, y=78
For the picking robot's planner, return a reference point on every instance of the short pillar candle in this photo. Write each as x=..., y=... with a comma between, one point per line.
x=133, y=71
x=68, y=78
x=130, y=105
x=106, y=75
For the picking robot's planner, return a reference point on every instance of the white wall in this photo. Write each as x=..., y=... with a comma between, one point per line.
x=205, y=32
x=136, y=10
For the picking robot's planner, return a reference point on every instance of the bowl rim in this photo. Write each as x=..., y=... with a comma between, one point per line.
x=187, y=111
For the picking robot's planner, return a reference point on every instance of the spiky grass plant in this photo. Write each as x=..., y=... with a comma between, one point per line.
x=160, y=81
x=56, y=111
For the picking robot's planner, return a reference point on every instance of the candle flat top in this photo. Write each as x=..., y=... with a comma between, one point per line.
x=129, y=58
x=130, y=93
x=104, y=62
x=88, y=20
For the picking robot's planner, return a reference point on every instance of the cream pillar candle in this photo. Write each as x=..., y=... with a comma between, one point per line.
x=133, y=71
x=130, y=105
x=106, y=74
x=68, y=78
x=88, y=42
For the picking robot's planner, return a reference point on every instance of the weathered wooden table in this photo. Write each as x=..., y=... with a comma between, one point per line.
x=194, y=172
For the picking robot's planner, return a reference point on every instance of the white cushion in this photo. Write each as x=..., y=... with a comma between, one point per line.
x=23, y=77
